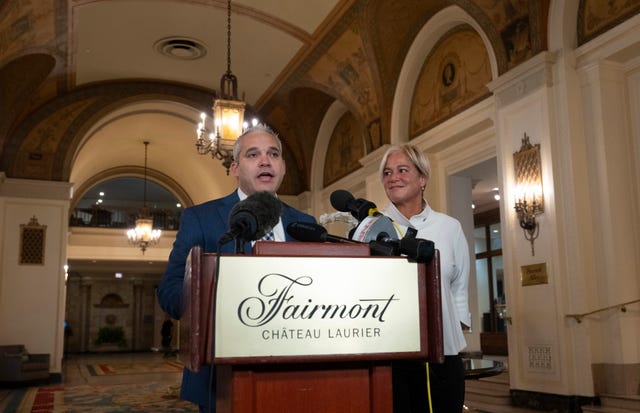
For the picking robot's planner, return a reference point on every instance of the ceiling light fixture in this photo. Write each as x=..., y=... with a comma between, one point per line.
x=143, y=235
x=228, y=114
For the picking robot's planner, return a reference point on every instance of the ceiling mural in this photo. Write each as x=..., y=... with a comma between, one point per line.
x=27, y=27
x=278, y=118
x=519, y=24
x=453, y=78
x=36, y=155
x=307, y=122
x=346, y=147
x=21, y=77
x=344, y=69
x=351, y=51
x=393, y=26
x=43, y=145
x=596, y=16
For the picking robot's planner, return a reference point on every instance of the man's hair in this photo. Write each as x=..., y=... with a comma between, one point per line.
x=258, y=127
x=419, y=159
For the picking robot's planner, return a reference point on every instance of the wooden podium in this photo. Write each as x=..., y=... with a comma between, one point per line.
x=355, y=383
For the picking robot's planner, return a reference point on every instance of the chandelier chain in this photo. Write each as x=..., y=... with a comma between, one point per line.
x=144, y=193
x=229, y=36
x=143, y=235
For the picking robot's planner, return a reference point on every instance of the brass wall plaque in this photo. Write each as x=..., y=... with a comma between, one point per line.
x=534, y=274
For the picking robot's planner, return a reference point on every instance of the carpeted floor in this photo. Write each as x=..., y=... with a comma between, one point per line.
x=113, y=368
x=120, y=398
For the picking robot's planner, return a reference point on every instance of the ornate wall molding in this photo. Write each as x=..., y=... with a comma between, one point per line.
x=524, y=79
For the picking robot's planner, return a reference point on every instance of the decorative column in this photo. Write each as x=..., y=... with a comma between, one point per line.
x=137, y=335
x=85, y=313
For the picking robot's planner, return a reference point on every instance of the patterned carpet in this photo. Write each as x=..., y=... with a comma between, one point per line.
x=110, y=369
x=120, y=398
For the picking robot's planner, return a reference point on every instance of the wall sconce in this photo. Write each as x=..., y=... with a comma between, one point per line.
x=529, y=197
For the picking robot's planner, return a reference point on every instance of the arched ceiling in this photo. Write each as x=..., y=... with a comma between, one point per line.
x=66, y=66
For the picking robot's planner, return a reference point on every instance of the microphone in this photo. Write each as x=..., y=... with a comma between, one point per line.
x=372, y=226
x=360, y=208
x=253, y=217
x=310, y=232
x=418, y=249
x=371, y=223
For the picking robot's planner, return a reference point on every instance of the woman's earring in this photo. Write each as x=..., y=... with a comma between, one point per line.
x=422, y=188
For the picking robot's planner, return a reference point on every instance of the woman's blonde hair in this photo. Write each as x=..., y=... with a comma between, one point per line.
x=419, y=159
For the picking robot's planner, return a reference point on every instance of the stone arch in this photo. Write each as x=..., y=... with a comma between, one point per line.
x=152, y=175
x=563, y=25
x=112, y=146
x=112, y=300
x=424, y=42
x=46, y=152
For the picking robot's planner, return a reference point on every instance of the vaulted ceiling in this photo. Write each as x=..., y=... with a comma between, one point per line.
x=68, y=70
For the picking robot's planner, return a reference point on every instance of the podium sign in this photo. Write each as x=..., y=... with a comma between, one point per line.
x=316, y=306
x=308, y=327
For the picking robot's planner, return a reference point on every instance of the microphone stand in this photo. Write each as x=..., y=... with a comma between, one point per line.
x=239, y=248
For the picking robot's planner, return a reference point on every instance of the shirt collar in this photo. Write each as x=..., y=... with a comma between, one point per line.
x=397, y=216
x=244, y=196
x=278, y=229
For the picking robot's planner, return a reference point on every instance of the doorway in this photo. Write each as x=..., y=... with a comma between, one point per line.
x=487, y=298
x=492, y=304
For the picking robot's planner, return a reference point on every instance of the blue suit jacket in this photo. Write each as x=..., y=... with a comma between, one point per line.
x=203, y=225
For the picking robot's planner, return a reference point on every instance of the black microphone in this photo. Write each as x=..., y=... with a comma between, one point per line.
x=360, y=208
x=418, y=249
x=310, y=232
x=253, y=217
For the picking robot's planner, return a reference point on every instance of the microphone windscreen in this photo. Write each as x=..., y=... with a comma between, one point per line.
x=372, y=226
x=341, y=199
x=307, y=231
x=421, y=250
x=264, y=206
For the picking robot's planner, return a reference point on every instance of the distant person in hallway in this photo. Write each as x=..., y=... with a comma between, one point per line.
x=167, y=335
x=258, y=166
x=405, y=172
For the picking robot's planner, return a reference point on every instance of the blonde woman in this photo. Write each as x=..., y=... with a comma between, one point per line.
x=405, y=173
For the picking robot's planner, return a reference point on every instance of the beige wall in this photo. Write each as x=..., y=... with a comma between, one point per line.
x=32, y=296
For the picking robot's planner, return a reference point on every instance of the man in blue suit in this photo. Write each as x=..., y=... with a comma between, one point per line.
x=258, y=166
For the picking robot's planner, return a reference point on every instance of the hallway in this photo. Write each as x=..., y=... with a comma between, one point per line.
x=75, y=369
